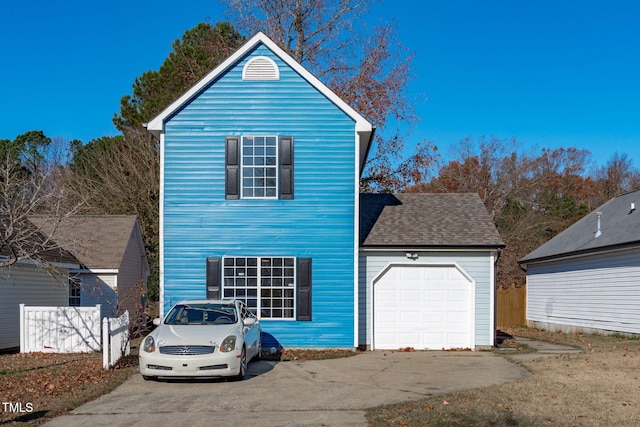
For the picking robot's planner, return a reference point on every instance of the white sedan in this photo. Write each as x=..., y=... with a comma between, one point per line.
x=203, y=338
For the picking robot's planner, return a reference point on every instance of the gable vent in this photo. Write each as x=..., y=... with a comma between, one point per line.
x=261, y=68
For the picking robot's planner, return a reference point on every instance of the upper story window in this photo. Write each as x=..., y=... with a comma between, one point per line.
x=259, y=167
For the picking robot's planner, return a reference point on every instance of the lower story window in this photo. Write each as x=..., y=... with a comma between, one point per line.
x=75, y=285
x=267, y=285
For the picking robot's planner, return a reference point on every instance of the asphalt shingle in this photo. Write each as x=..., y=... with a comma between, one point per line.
x=619, y=224
x=98, y=241
x=426, y=220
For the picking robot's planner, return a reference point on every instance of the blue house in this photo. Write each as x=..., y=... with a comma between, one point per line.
x=260, y=169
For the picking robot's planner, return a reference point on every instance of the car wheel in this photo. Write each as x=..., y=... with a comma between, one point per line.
x=243, y=365
x=148, y=378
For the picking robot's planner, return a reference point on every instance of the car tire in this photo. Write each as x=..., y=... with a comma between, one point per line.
x=148, y=378
x=243, y=365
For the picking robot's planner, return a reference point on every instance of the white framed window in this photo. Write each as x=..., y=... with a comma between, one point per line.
x=75, y=286
x=259, y=167
x=267, y=285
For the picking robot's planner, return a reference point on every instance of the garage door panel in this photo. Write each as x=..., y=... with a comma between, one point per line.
x=432, y=305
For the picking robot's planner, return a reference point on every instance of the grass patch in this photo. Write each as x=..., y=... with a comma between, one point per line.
x=593, y=388
x=301, y=355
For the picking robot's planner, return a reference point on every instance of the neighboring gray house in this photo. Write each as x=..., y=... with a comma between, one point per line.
x=30, y=284
x=113, y=267
x=426, y=271
x=587, y=278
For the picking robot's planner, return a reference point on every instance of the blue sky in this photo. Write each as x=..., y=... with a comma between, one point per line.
x=549, y=73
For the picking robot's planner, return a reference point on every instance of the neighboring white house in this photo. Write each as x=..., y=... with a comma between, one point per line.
x=113, y=267
x=27, y=283
x=427, y=271
x=587, y=278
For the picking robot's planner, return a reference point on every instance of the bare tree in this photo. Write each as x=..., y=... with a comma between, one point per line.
x=364, y=65
x=30, y=185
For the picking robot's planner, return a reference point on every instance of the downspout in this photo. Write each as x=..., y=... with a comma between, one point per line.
x=495, y=296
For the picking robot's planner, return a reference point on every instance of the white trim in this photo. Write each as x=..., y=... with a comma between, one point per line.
x=492, y=298
x=265, y=167
x=161, y=232
x=434, y=249
x=157, y=123
x=363, y=127
x=95, y=271
x=390, y=265
x=356, y=250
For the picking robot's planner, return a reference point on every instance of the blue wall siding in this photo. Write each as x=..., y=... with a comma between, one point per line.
x=317, y=224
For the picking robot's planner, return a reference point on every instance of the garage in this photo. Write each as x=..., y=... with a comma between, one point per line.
x=423, y=307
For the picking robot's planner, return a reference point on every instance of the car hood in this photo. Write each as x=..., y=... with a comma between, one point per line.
x=193, y=334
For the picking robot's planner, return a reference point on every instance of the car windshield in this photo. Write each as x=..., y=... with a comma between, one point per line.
x=202, y=314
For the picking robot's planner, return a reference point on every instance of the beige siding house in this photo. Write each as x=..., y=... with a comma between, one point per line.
x=30, y=284
x=113, y=262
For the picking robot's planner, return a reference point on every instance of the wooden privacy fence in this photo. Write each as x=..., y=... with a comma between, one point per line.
x=59, y=329
x=511, y=306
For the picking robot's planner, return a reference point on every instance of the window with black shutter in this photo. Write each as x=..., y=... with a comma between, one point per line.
x=259, y=167
x=272, y=287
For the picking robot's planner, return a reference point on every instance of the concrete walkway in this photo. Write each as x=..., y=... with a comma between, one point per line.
x=541, y=349
x=312, y=393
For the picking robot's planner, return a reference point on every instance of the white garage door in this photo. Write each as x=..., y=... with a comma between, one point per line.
x=424, y=307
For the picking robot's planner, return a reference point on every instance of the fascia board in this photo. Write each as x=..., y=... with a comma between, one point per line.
x=156, y=125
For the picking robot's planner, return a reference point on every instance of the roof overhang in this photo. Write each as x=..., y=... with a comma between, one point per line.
x=364, y=129
x=577, y=254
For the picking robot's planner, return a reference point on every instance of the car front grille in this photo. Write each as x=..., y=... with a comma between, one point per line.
x=187, y=350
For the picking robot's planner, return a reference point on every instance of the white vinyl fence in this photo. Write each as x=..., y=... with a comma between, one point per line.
x=59, y=329
x=115, y=339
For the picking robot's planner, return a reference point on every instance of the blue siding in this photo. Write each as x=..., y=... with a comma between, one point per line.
x=317, y=224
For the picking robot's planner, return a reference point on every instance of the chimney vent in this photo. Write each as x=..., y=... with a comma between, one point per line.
x=599, y=228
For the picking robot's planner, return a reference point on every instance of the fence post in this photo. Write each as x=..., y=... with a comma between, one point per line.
x=22, y=328
x=105, y=343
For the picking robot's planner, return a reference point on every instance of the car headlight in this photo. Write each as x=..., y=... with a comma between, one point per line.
x=229, y=344
x=149, y=344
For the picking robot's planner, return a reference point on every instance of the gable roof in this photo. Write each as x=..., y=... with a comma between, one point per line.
x=426, y=220
x=620, y=226
x=364, y=129
x=97, y=241
x=35, y=240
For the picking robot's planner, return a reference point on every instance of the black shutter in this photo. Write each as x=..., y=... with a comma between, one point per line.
x=213, y=278
x=286, y=167
x=304, y=289
x=232, y=173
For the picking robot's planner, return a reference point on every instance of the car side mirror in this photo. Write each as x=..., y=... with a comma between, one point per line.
x=249, y=321
x=157, y=321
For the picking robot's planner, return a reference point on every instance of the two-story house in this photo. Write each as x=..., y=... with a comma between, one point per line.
x=260, y=169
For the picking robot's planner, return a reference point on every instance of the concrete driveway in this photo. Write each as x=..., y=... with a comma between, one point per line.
x=311, y=393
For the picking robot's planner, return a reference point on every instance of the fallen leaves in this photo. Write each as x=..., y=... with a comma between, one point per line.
x=53, y=382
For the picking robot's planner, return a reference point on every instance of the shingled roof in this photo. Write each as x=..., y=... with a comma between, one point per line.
x=429, y=220
x=37, y=244
x=619, y=225
x=98, y=241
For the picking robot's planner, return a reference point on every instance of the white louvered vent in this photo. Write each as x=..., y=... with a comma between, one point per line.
x=261, y=68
